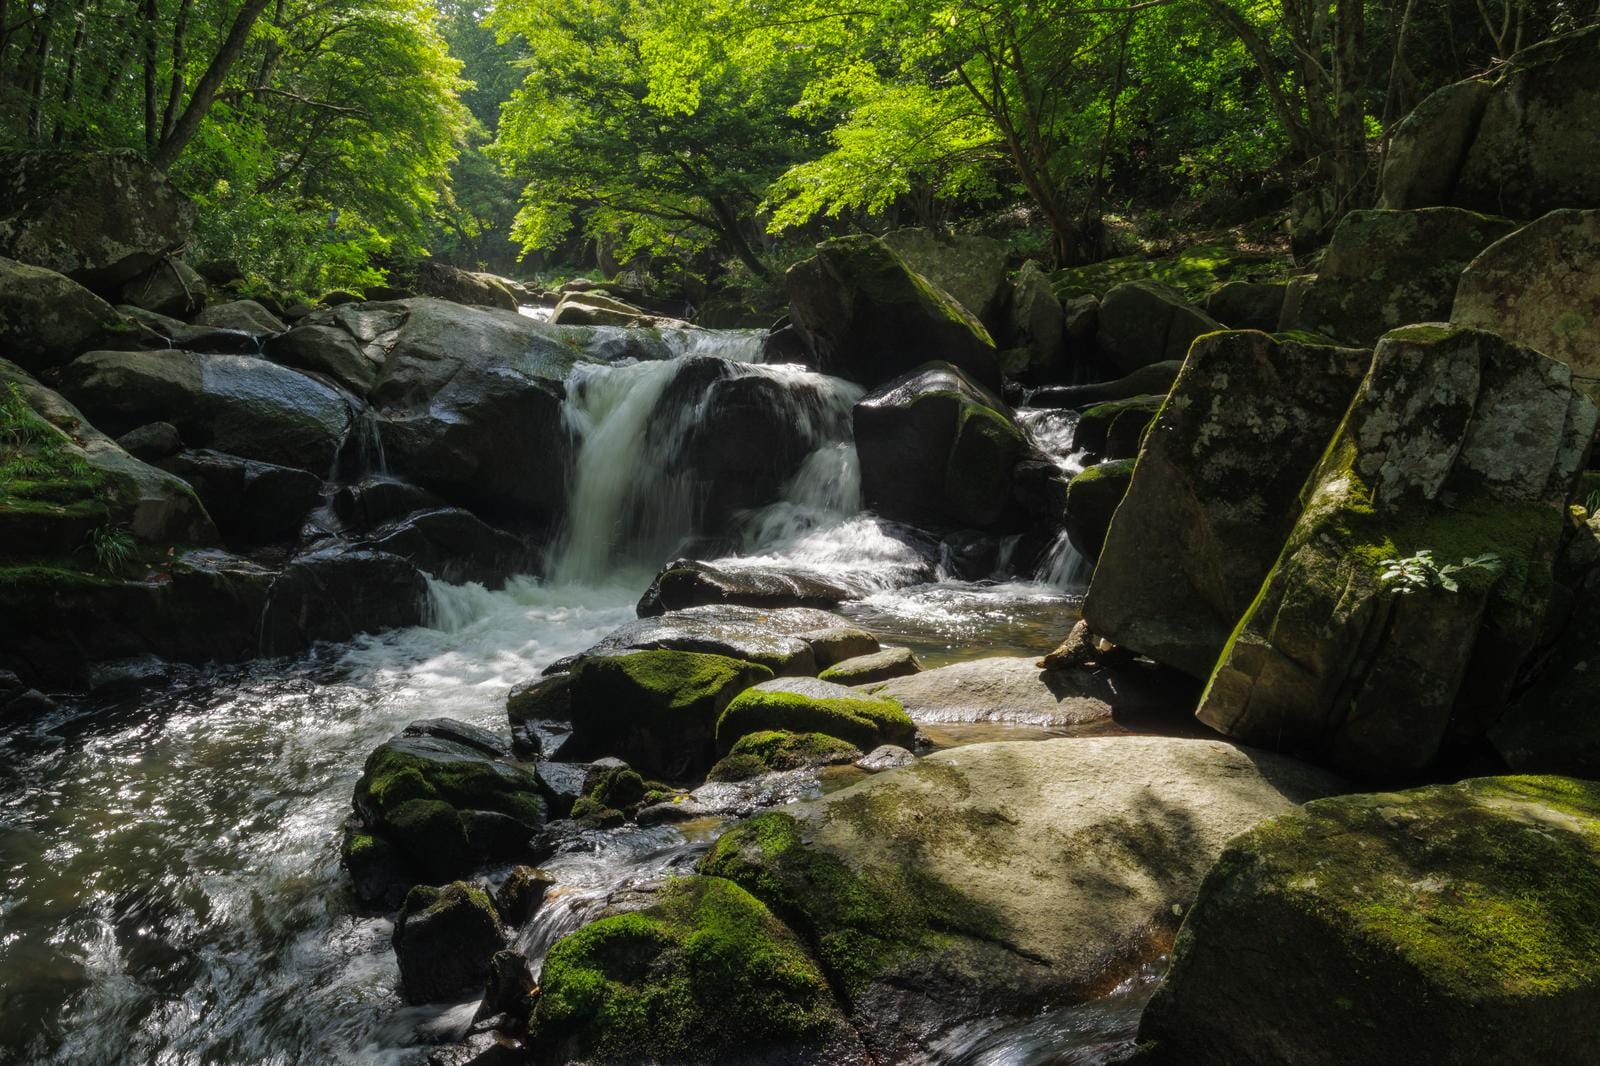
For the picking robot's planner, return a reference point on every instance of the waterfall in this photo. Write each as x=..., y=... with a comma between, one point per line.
x=1055, y=432
x=664, y=446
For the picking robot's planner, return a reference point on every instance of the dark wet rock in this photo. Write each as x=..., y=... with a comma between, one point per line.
x=778, y=638
x=1385, y=269
x=872, y=667
x=1145, y=322
x=1429, y=145
x=101, y=218
x=542, y=699
x=1215, y=493
x=885, y=757
x=1035, y=323
x=445, y=939
x=151, y=442
x=510, y=988
x=113, y=678
x=335, y=593
x=170, y=287
x=687, y=583
x=561, y=783
x=240, y=405
x=157, y=331
x=954, y=889
x=1248, y=305
x=328, y=350
x=254, y=503
x=453, y=545
x=1146, y=381
x=520, y=897
x=1458, y=444
x=47, y=320
x=656, y=709
x=937, y=449
x=18, y=700
x=465, y=734
x=701, y=972
x=1540, y=286
x=807, y=705
x=241, y=316
x=752, y=792
x=1012, y=689
x=866, y=316
x=1115, y=429
x=377, y=500
x=1092, y=499
x=1397, y=909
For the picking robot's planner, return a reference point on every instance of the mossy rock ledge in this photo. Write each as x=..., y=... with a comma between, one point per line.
x=1453, y=924
x=778, y=750
x=806, y=705
x=996, y=878
x=703, y=973
x=1458, y=443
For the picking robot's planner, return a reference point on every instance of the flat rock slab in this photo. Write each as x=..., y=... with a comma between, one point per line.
x=777, y=638
x=1016, y=873
x=1012, y=689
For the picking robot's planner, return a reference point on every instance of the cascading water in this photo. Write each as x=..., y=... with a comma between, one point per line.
x=1055, y=432
x=170, y=878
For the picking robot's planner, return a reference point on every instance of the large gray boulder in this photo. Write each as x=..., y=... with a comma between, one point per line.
x=1540, y=286
x=1215, y=492
x=1035, y=322
x=968, y=267
x=445, y=282
x=242, y=316
x=1144, y=322
x=238, y=404
x=1430, y=144
x=994, y=878
x=1450, y=924
x=790, y=641
x=101, y=218
x=47, y=319
x=253, y=502
x=1359, y=648
x=865, y=315
x=1385, y=269
x=937, y=449
x=327, y=349
x=689, y=583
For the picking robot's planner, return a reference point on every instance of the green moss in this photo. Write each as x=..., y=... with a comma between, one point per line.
x=737, y=768
x=865, y=721
x=703, y=974
x=665, y=680
x=860, y=924
x=1487, y=888
x=782, y=750
x=1197, y=272
x=589, y=809
x=618, y=787
x=394, y=775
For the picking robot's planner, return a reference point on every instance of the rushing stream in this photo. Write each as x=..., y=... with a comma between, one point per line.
x=170, y=887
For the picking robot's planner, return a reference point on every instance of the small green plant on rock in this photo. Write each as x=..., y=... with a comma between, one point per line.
x=114, y=548
x=1418, y=572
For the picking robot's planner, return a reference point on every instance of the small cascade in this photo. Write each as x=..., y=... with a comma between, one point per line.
x=666, y=447
x=1054, y=432
x=1064, y=567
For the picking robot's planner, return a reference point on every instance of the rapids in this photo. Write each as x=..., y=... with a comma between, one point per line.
x=170, y=888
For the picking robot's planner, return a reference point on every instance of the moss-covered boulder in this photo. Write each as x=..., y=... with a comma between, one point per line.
x=705, y=973
x=1036, y=324
x=1115, y=429
x=992, y=878
x=873, y=667
x=1451, y=924
x=658, y=710
x=1215, y=492
x=1248, y=304
x=1385, y=269
x=778, y=750
x=445, y=799
x=937, y=449
x=970, y=267
x=1092, y=499
x=1429, y=145
x=1360, y=648
x=1540, y=286
x=1533, y=149
x=806, y=705
x=444, y=939
x=101, y=218
x=866, y=316
x=1144, y=322
x=47, y=319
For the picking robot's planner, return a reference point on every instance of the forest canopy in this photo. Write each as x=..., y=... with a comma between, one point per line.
x=326, y=140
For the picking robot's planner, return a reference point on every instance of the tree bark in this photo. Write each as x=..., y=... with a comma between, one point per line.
x=205, y=90
x=175, y=90
x=69, y=89
x=152, y=130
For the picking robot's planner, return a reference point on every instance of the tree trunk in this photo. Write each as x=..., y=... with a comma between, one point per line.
x=152, y=129
x=733, y=233
x=205, y=90
x=43, y=32
x=175, y=90
x=1349, y=115
x=70, y=89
